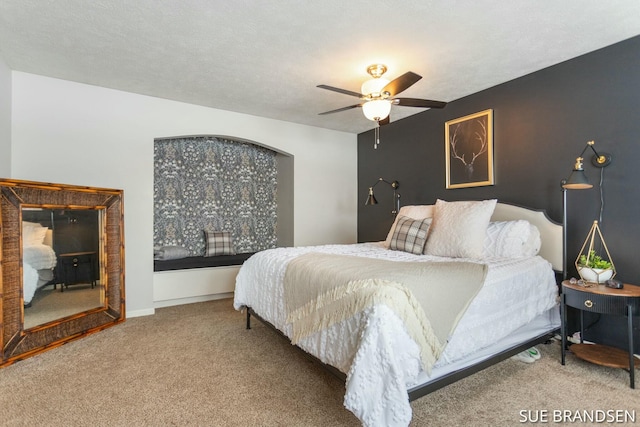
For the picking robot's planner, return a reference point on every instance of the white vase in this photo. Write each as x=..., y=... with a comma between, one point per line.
x=597, y=275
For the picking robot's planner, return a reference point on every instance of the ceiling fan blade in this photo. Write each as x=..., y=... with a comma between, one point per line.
x=343, y=91
x=341, y=109
x=401, y=83
x=415, y=102
x=384, y=121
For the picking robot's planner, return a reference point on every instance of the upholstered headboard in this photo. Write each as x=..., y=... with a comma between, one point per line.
x=550, y=231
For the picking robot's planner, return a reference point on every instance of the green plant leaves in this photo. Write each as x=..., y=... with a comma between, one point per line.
x=594, y=261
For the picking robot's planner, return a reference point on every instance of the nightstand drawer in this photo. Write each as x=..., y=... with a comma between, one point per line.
x=596, y=303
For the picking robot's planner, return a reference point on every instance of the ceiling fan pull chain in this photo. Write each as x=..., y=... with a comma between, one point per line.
x=376, y=135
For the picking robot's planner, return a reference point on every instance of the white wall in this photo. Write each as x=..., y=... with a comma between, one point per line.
x=72, y=133
x=5, y=120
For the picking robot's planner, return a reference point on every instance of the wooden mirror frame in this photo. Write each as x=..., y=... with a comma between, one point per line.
x=16, y=343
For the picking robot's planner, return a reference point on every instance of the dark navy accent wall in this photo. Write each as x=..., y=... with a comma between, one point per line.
x=542, y=122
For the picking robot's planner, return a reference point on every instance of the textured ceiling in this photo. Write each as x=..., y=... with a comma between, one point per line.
x=265, y=58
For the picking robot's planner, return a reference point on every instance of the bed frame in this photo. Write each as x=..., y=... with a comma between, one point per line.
x=430, y=386
x=551, y=250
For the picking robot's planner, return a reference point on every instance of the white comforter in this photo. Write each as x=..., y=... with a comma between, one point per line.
x=380, y=359
x=35, y=257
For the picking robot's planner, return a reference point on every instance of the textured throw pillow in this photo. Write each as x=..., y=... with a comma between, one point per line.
x=459, y=228
x=506, y=239
x=218, y=243
x=410, y=211
x=33, y=233
x=511, y=239
x=410, y=235
x=533, y=243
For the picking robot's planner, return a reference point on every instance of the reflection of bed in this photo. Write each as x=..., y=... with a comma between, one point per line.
x=377, y=346
x=38, y=258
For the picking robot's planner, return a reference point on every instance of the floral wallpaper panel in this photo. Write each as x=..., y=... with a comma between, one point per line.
x=216, y=184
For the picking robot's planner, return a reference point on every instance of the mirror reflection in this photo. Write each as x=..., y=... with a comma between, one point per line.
x=61, y=269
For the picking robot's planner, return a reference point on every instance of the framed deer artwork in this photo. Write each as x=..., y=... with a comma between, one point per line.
x=469, y=150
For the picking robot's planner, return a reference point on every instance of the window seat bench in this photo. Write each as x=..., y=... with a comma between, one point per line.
x=201, y=262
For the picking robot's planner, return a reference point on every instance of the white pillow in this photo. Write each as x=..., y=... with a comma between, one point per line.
x=409, y=211
x=31, y=224
x=33, y=233
x=459, y=228
x=533, y=243
x=506, y=239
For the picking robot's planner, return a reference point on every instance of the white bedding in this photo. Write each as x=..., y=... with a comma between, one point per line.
x=35, y=257
x=373, y=348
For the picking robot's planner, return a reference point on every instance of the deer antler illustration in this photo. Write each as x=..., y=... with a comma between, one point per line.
x=480, y=136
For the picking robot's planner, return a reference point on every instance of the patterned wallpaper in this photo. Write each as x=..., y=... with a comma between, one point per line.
x=216, y=184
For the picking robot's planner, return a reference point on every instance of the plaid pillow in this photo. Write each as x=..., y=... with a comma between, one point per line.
x=218, y=243
x=410, y=235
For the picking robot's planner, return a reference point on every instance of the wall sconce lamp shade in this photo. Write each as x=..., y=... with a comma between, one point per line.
x=578, y=181
x=371, y=198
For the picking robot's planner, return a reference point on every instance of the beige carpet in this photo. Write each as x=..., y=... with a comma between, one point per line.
x=196, y=365
x=50, y=304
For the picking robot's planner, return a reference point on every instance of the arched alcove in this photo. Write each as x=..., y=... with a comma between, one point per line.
x=221, y=183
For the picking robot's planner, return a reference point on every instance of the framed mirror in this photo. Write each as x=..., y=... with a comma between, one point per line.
x=61, y=264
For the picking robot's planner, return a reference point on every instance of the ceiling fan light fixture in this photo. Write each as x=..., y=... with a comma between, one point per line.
x=373, y=87
x=377, y=94
x=376, y=70
x=376, y=110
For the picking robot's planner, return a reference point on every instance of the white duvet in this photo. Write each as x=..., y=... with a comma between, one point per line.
x=374, y=350
x=35, y=257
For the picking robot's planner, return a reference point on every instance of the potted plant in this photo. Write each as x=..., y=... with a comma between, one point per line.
x=591, y=265
x=593, y=268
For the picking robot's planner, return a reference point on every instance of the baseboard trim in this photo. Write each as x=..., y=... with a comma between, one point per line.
x=192, y=300
x=140, y=313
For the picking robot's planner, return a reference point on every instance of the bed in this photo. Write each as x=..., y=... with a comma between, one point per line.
x=499, y=260
x=39, y=259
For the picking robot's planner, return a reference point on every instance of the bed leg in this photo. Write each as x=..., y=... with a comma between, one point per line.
x=248, y=318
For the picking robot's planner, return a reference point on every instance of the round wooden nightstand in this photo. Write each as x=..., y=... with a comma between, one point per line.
x=598, y=298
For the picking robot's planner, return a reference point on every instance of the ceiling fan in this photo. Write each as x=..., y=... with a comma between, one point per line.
x=379, y=94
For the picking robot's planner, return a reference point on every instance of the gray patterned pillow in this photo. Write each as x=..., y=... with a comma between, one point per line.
x=218, y=243
x=165, y=253
x=410, y=235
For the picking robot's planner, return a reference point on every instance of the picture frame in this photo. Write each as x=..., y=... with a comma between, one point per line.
x=469, y=150
x=17, y=197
